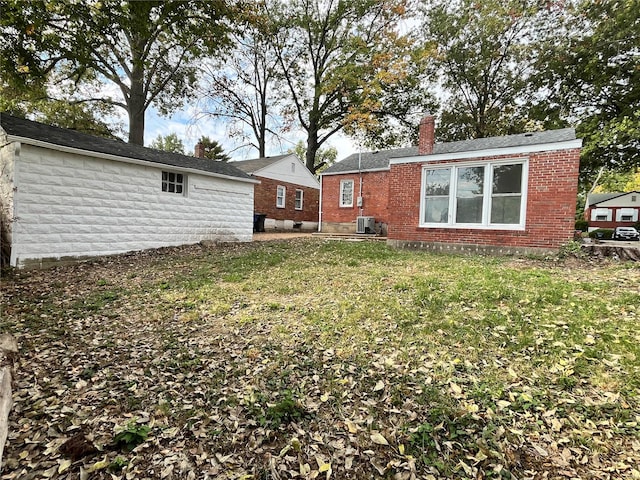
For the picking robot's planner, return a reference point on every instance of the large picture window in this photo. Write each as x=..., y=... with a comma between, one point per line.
x=488, y=195
x=346, y=193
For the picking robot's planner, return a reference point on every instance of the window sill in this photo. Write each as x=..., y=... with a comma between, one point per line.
x=446, y=226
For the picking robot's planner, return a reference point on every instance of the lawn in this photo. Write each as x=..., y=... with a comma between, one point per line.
x=322, y=359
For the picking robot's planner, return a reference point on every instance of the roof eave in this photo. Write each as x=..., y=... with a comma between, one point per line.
x=118, y=158
x=351, y=172
x=517, y=150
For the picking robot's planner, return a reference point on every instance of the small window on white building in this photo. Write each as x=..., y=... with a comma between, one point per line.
x=280, y=196
x=293, y=167
x=346, y=193
x=173, y=182
x=299, y=199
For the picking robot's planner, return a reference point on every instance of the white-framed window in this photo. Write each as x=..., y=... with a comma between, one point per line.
x=281, y=193
x=346, y=193
x=474, y=195
x=174, y=182
x=299, y=199
x=627, y=215
x=601, y=215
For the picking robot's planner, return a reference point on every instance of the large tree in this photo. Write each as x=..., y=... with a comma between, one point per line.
x=338, y=58
x=146, y=49
x=240, y=85
x=484, y=57
x=592, y=71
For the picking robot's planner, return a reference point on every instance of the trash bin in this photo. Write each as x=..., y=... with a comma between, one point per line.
x=258, y=222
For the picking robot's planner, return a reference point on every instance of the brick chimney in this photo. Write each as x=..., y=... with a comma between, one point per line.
x=199, y=150
x=426, y=135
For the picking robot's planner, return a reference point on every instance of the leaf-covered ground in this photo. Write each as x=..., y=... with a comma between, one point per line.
x=324, y=359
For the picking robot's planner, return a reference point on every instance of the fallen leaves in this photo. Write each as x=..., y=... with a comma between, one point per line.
x=426, y=367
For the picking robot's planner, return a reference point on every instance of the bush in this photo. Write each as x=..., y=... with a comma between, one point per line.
x=582, y=225
x=602, y=234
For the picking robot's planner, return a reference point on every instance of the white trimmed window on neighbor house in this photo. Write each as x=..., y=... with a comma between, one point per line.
x=280, y=196
x=601, y=215
x=299, y=199
x=627, y=215
x=173, y=182
x=478, y=195
x=346, y=193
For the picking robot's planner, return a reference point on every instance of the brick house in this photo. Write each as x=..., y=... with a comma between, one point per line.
x=610, y=210
x=509, y=193
x=65, y=196
x=288, y=193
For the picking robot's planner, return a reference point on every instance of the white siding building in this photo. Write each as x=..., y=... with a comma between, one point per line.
x=68, y=196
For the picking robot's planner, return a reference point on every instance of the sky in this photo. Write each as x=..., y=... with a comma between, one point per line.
x=190, y=127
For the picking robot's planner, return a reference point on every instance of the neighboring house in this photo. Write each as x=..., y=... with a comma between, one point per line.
x=610, y=210
x=510, y=193
x=288, y=193
x=66, y=195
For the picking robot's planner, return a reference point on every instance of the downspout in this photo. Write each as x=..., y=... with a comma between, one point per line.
x=320, y=207
x=360, y=189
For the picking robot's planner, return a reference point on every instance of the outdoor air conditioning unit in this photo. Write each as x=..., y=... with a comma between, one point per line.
x=366, y=225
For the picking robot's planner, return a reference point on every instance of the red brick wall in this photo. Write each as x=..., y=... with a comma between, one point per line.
x=264, y=201
x=375, y=197
x=604, y=224
x=550, y=210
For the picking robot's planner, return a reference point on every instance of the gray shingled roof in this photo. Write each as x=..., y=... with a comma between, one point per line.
x=255, y=164
x=596, y=198
x=19, y=127
x=380, y=160
x=367, y=161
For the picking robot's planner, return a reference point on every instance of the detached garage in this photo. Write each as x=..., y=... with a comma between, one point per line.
x=67, y=196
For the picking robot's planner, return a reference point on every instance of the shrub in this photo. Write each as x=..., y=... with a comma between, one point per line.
x=602, y=233
x=582, y=225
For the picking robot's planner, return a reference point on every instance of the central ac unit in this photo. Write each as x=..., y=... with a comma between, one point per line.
x=366, y=225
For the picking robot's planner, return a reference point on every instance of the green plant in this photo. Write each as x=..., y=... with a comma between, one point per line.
x=601, y=233
x=285, y=411
x=571, y=249
x=582, y=225
x=117, y=464
x=131, y=435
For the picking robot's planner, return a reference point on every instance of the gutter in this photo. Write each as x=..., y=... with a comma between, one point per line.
x=117, y=158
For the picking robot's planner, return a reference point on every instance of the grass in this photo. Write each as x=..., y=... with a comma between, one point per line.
x=467, y=366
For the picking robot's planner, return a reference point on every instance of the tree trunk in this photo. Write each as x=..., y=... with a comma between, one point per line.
x=136, y=110
x=312, y=145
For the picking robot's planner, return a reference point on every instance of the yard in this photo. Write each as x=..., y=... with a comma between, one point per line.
x=318, y=359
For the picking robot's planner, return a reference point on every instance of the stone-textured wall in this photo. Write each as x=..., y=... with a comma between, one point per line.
x=69, y=205
x=7, y=155
x=550, y=210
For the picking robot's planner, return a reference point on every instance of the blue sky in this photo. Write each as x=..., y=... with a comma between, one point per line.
x=189, y=128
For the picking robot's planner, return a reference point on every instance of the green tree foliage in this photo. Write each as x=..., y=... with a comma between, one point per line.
x=325, y=157
x=483, y=60
x=592, y=71
x=146, y=49
x=617, y=181
x=38, y=106
x=338, y=59
x=168, y=143
x=213, y=150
